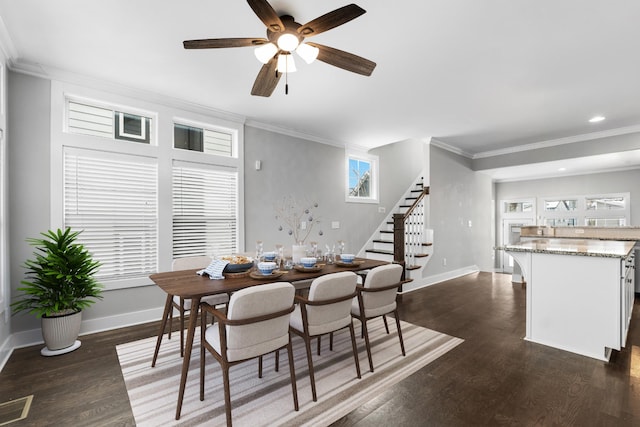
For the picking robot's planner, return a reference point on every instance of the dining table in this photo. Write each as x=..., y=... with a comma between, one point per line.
x=190, y=285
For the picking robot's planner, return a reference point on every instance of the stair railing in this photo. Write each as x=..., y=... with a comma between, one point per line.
x=408, y=230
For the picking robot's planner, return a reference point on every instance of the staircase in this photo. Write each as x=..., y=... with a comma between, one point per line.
x=410, y=218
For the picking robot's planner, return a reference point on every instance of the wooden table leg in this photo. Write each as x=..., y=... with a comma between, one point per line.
x=163, y=325
x=193, y=320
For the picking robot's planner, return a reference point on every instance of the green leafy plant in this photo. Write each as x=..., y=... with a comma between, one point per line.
x=60, y=279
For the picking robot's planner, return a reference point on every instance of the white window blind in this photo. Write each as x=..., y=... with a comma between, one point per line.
x=219, y=143
x=114, y=200
x=205, y=210
x=89, y=120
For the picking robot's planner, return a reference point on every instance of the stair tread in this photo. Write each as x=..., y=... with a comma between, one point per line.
x=382, y=251
x=391, y=241
x=379, y=251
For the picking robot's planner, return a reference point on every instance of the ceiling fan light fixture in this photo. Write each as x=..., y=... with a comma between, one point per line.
x=288, y=42
x=265, y=52
x=286, y=63
x=307, y=52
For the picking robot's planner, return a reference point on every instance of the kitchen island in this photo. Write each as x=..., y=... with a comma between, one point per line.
x=580, y=292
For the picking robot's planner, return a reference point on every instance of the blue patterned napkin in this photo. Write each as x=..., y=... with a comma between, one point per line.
x=214, y=270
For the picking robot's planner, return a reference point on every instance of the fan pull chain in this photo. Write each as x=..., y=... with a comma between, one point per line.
x=286, y=77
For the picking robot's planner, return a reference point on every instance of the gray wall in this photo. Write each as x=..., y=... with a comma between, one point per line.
x=400, y=164
x=290, y=166
x=459, y=195
x=306, y=169
x=29, y=152
x=29, y=197
x=610, y=144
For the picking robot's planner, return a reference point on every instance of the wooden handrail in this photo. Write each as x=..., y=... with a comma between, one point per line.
x=425, y=191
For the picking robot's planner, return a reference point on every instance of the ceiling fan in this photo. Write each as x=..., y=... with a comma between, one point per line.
x=284, y=36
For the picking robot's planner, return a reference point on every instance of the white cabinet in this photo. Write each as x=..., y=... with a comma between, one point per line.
x=579, y=302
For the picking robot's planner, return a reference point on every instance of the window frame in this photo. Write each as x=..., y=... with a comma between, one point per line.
x=581, y=214
x=115, y=108
x=374, y=177
x=5, y=283
x=163, y=112
x=180, y=121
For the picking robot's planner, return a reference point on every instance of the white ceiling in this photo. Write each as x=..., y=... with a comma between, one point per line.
x=477, y=75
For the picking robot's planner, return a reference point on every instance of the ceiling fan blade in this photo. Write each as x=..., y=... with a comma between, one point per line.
x=331, y=20
x=267, y=79
x=345, y=60
x=222, y=43
x=267, y=14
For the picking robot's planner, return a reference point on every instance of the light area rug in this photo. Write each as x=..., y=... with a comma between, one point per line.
x=268, y=401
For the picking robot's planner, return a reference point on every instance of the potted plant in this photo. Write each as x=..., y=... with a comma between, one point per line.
x=59, y=284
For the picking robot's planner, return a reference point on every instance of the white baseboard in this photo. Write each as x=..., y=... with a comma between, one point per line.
x=437, y=278
x=89, y=326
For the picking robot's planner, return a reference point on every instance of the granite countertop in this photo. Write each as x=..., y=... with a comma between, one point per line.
x=630, y=233
x=581, y=247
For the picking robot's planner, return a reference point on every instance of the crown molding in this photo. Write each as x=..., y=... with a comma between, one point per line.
x=301, y=135
x=561, y=175
x=437, y=143
x=560, y=141
x=52, y=73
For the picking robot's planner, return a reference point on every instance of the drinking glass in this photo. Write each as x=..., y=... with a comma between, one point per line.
x=259, y=250
x=279, y=254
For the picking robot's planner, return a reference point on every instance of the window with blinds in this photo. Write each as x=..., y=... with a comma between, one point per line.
x=205, y=212
x=114, y=200
x=86, y=119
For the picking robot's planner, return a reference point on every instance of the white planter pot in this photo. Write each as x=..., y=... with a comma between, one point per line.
x=60, y=332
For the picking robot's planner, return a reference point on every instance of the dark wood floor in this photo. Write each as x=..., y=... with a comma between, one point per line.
x=493, y=378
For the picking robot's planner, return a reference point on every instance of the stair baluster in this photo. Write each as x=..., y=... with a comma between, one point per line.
x=408, y=231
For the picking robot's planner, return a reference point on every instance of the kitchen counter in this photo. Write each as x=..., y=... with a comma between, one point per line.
x=630, y=233
x=581, y=247
x=580, y=292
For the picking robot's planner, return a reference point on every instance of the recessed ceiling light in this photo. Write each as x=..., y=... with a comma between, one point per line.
x=562, y=169
x=596, y=119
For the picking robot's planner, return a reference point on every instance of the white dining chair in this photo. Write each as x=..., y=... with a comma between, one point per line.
x=377, y=298
x=184, y=305
x=326, y=310
x=256, y=323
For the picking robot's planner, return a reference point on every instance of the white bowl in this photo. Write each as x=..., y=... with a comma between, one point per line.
x=269, y=256
x=308, y=262
x=266, y=268
x=347, y=258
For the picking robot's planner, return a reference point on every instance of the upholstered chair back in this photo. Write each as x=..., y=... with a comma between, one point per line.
x=246, y=341
x=333, y=316
x=377, y=303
